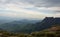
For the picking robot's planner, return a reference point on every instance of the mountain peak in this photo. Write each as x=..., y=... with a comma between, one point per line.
x=52, y=17
x=48, y=22
x=55, y=20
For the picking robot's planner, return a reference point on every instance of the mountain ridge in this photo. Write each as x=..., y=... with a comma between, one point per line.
x=47, y=22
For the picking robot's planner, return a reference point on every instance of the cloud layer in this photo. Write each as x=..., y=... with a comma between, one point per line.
x=30, y=8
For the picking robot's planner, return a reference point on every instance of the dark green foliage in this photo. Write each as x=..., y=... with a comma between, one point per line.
x=44, y=33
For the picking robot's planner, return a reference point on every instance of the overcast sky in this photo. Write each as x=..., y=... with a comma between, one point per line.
x=29, y=8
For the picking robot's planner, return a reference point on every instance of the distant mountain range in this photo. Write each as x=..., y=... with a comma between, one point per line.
x=29, y=26
x=17, y=25
x=9, y=20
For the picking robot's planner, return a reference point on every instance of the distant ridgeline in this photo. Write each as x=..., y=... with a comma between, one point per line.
x=48, y=22
x=23, y=28
x=52, y=20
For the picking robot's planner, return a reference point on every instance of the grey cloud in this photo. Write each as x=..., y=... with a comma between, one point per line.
x=43, y=3
x=38, y=3
x=47, y=3
x=57, y=11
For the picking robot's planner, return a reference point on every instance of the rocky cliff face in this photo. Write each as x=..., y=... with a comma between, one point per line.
x=57, y=20
x=52, y=20
x=48, y=22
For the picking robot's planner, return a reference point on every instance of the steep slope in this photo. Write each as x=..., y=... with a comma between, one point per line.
x=47, y=22
x=53, y=31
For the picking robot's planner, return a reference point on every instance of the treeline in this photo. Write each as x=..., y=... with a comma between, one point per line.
x=52, y=32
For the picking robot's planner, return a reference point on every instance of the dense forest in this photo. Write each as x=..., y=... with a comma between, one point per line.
x=54, y=31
